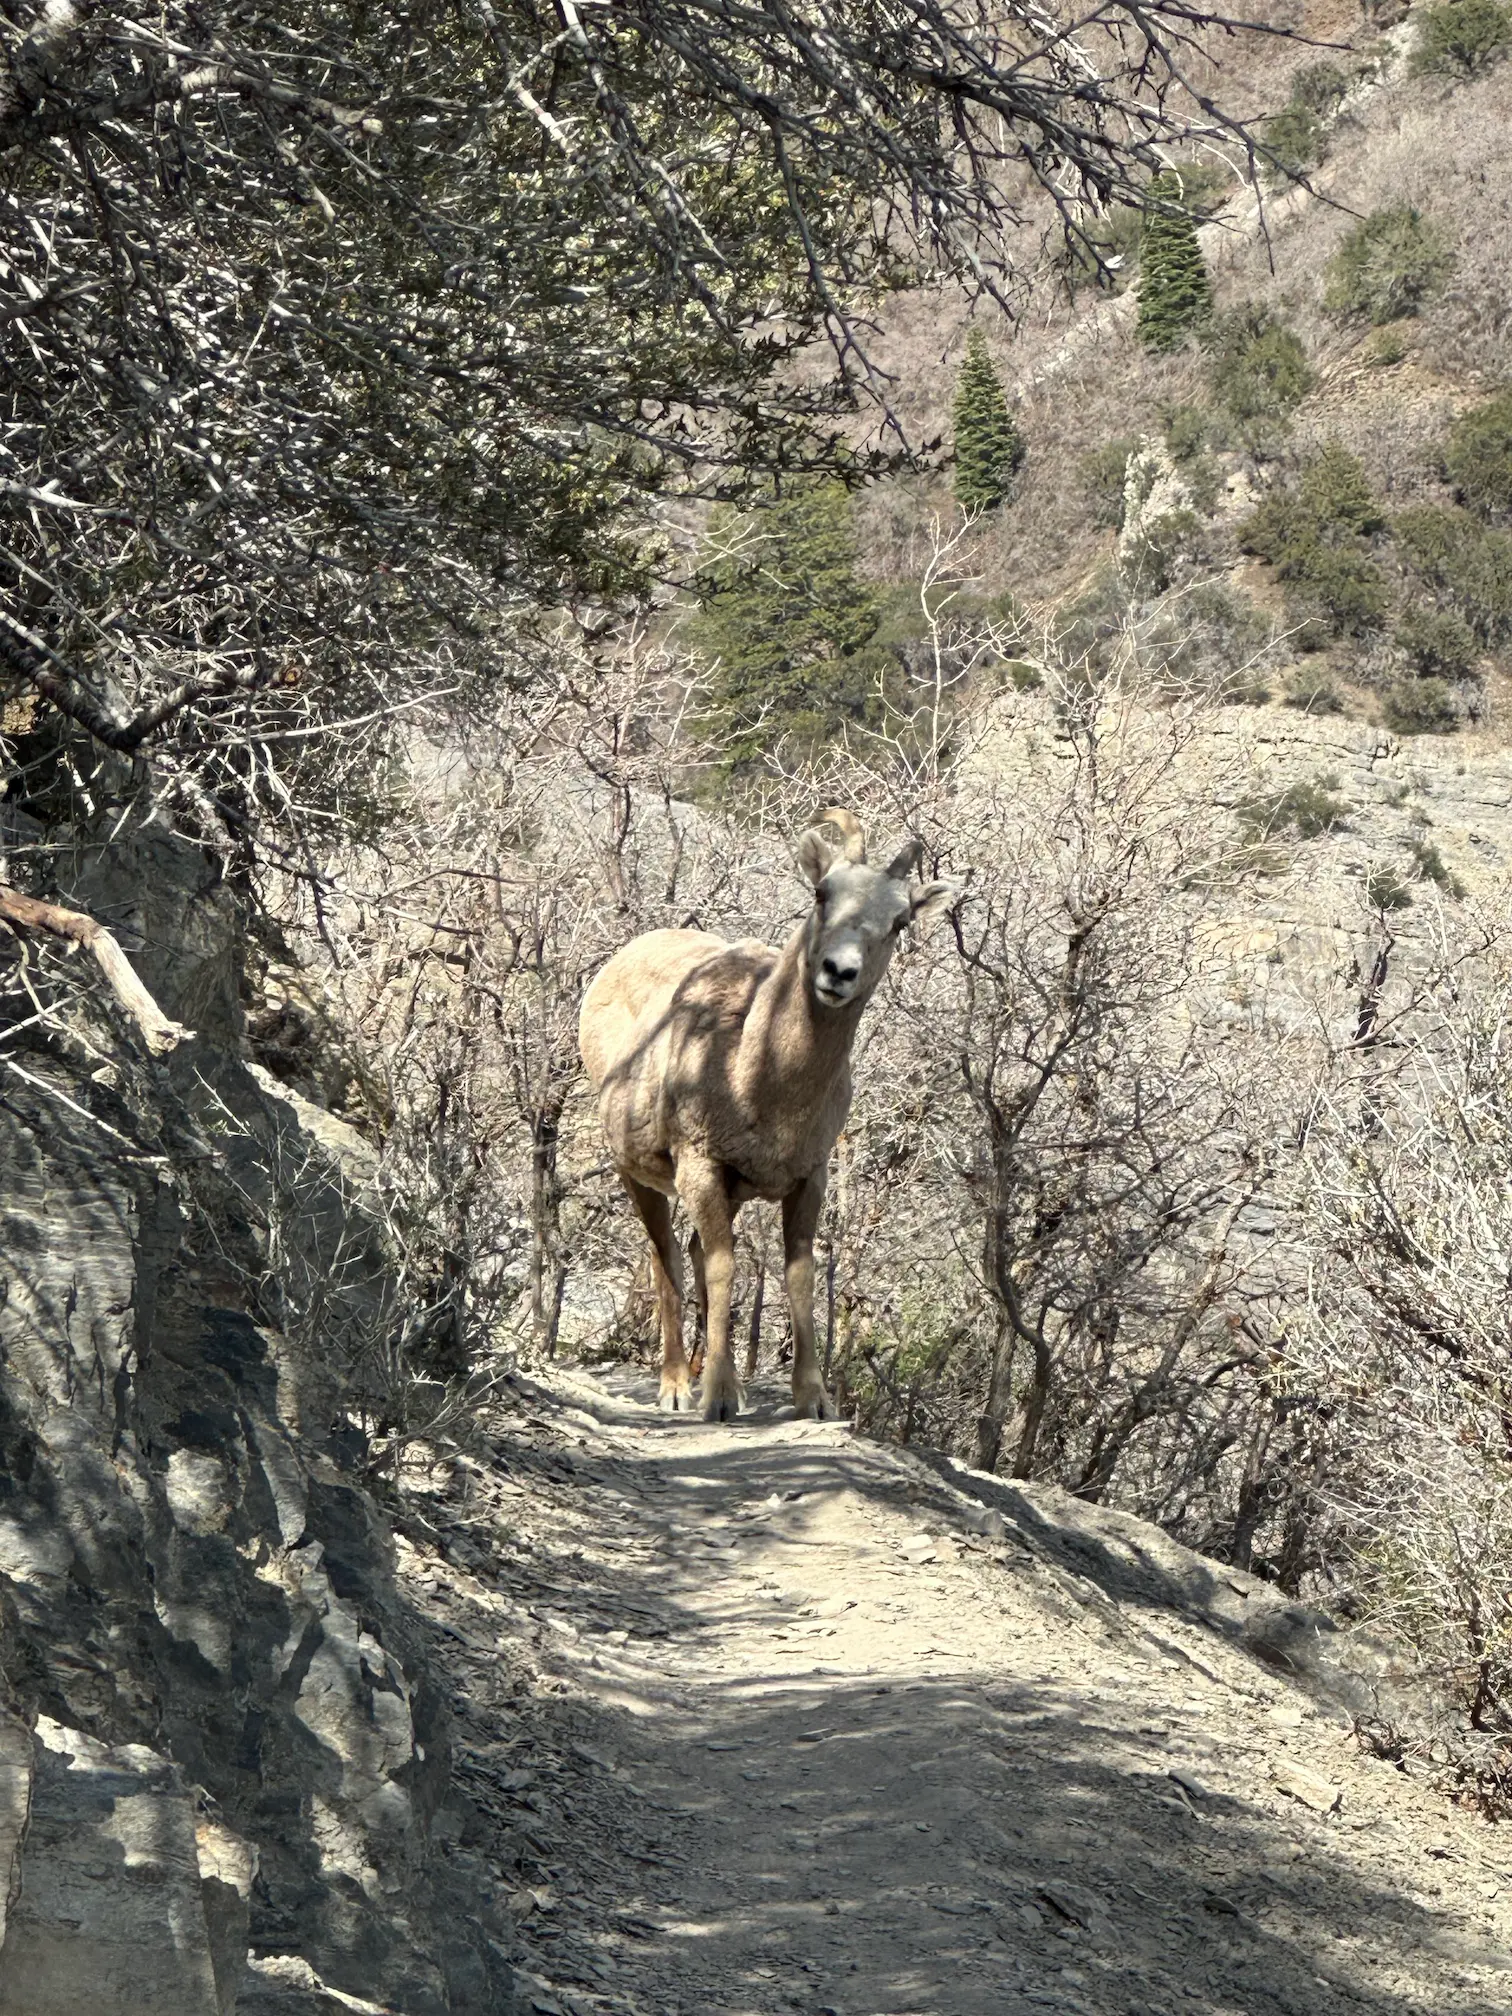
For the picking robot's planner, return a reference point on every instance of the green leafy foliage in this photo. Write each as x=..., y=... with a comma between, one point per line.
x=1296, y=141
x=1259, y=369
x=1151, y=559
x=1331, y=502
x=1309, y=809
x=1205, y=185
x=1322, y=87
x=1384, y=347
x=1312, y=692
x=1345, y=594
x=1386, y=889
x=1390, y=265
x=1102, y=472
x=1175, y=293
x=1434, y=868
x=1296, y=137
x=1461, y=37
x=1478, y=459
x=1104, y=251
x=1467, y=563
x=1438, y=642
x=989, y=449
x=785, y=623
x=1421, y=707
x=1189, y=433
x=1336, y=490
x=1311, y=534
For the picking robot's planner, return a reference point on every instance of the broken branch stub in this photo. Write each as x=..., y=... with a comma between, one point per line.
x=159, y=1033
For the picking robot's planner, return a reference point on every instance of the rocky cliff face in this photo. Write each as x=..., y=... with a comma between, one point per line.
x=220, y=1747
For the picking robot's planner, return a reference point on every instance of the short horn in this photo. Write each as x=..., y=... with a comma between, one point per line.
x=848, y=826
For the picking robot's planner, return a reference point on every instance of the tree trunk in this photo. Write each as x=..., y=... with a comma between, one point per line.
x=1113, y=1437
x=1251, y=1505
x=753, y=1335
x=994, y=1414
x=1035, y=1402
x=545, y=1229
x=554, y=1320
x=829, y=1316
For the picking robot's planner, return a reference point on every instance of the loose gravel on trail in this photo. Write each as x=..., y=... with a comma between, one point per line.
x=767, y=1718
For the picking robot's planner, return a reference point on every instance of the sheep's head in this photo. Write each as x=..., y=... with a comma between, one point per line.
x=858, y=911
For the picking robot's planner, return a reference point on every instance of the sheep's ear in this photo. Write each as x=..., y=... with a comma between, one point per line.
x=906, y=865
x=815, y=855
x=931, y=901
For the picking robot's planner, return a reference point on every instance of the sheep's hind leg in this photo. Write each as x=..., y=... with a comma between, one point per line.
x=800, y=1221
x=702, y=1188
x=655, y=1211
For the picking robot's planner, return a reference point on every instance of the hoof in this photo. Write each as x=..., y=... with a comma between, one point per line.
x=812, y=1403
x=676, y=1396
x=721, y=1397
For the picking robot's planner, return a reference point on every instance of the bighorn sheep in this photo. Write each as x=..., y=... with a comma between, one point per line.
x=723, y=1074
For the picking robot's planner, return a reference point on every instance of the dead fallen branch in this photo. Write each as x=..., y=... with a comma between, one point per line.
x=30, y=913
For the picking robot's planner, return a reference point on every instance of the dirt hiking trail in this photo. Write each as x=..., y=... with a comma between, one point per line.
x=768, y=1718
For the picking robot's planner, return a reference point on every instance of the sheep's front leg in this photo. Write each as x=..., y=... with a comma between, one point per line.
x=656, y=1215
x=800, y=1221
x=706, y=1198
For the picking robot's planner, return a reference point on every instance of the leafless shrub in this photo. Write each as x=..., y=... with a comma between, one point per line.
x=1409, y=1177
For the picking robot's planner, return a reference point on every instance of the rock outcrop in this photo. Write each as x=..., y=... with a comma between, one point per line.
x=220, y=1748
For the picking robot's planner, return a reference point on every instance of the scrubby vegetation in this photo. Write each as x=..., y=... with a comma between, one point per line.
x=1297, y=137
x=1313, y=534
x=1438, y=643
x=1309, y=809
x=1103, y=473
x=1460, y=37
x=1260, y=371
x=1465, y=563
x=1478, y=457
x=1389, y=266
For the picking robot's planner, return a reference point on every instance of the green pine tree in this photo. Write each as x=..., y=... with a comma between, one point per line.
x=1175, y=293
x=786, y=624
x=988, y=445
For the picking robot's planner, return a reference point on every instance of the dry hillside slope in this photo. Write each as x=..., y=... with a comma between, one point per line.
x=770, y=1718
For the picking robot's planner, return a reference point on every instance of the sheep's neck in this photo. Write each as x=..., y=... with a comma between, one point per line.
x=792, y=1048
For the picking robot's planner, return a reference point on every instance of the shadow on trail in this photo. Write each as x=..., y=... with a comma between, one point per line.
x=998, y=1840
x=944, y=1848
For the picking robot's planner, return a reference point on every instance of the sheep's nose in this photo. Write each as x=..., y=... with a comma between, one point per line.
x=840, y=975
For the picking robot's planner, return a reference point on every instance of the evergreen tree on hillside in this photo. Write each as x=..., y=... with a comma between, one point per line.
x=1175, y=293
x=786, y=623
x=988, y=445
